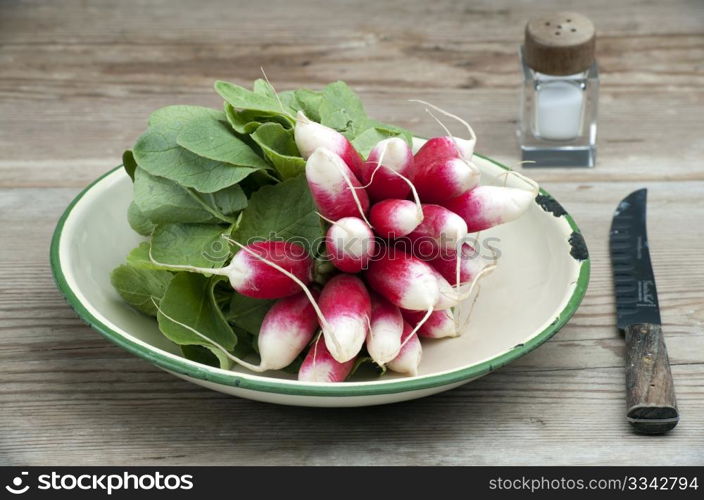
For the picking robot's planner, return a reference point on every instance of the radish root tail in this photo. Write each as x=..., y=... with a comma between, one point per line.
x=534, y=187
x=242, y=363
x=354, y=195
x=323, y=322
x=472, y=135
x=416, y=328
x=276, y=95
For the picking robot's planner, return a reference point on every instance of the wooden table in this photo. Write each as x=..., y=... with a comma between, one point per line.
x=77, y=81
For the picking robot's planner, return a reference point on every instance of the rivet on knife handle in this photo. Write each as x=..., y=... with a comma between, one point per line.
x=652, y=408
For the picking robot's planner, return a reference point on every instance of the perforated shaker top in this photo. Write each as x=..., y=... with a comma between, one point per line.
x=560, y=43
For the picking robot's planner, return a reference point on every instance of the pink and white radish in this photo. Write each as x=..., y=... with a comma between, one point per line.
x=395, y=218
x=449, y=296
x=287, y=329
x=469, y=266
x=387, y=170
x=443, y=148
x=350, y=243
x=409, y=357
x=448, y=146
x=441, y=229
x=487, y=206
x=310, y=135
x=386, y=327
x=262, y=270
x=444, y=178
x=346, y=307
x=439, y=325
x=320, y=366
x=335, y=189
x=404, y=280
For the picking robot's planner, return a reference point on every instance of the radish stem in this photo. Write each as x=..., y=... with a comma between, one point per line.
x=319, y=313
x=447, y=113
x=231, y=357
x=417, y=327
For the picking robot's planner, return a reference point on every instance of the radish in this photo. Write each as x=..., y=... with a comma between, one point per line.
x=445, y=147
x=346, y=307
x=387, y=164
x=470, y=264
x=350, y=244
x=487, y=206
x=408, y=358
x=440, y=324
x=310, y=135
x=404, y=280
x=335, y=189
x=448, y=295
x=287, y=329
x=262, y=270
x=386, y=327
x=395, y=218
x=444, y=178
x=441, y=229
x=320, y=366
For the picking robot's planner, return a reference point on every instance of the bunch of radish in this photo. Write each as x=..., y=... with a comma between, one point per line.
x=397, y=230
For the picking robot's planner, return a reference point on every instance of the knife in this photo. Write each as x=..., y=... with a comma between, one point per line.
x=650, y=392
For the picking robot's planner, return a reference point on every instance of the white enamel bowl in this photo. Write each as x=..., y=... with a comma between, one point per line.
x=540, y=279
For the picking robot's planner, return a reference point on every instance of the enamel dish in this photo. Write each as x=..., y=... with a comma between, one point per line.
x=541, y=277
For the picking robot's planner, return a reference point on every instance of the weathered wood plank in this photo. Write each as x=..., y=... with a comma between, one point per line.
x=72, y=145
x=186, y=22
x=564, y=417
x=77, y=83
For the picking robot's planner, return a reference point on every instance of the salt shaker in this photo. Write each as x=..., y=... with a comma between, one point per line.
x=560, y=91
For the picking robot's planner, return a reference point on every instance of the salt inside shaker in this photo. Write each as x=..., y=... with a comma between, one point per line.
x=560, y=92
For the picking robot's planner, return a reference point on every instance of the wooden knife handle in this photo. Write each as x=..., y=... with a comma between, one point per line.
x=652, y=408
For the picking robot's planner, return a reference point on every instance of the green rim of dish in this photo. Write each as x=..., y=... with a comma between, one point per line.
x=346, y=389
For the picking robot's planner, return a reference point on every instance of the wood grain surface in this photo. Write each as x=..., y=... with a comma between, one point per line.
x=77, y=82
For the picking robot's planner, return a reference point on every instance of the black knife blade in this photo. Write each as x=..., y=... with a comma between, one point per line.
x=650, y=391
x=634, y=282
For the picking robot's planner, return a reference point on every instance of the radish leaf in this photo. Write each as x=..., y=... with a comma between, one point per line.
x=138, y=220
x=248, y=313
x=199, y=245
x=214, y=140
x=342, y=110
x=189, y=299
x=285, y=211
x=138, y=286
x=279, y=147
x=242, y=98
x=129, y=164
x=161, y=201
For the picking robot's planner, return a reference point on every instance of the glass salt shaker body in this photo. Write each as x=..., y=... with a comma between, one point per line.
x=558, y=113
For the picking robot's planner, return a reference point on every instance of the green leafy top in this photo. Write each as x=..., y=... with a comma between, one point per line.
x=200, y=174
